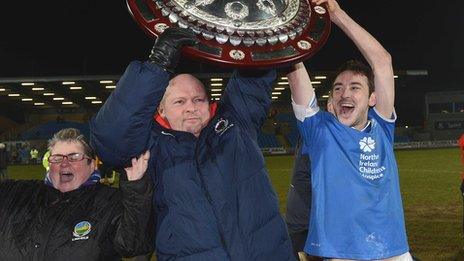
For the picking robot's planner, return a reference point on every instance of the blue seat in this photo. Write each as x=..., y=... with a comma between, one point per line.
x=268, y=140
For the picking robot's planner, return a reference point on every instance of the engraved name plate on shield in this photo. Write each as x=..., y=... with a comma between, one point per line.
x=240, y=33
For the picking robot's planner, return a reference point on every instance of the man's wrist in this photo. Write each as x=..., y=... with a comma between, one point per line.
x=337, y=16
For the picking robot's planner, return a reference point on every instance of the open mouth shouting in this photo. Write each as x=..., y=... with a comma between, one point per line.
x=66, y=176
x=345, y=109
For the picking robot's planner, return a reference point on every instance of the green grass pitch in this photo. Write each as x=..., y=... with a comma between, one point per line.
x=430, y=189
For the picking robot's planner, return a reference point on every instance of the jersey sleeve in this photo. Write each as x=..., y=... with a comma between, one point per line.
x=309, y=119
x=388, y=125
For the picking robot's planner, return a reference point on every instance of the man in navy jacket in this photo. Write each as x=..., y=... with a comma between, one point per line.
x=213, y=198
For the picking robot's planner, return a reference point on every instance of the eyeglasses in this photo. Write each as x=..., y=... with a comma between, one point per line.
x=71, y=157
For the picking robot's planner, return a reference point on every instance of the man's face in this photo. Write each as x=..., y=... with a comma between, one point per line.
x=67, y=176
x=185, y=105
x=351, y=99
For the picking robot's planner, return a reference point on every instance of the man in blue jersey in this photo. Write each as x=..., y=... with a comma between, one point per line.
x=356, y=210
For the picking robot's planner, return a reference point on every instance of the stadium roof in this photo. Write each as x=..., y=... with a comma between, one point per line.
x=90, y=92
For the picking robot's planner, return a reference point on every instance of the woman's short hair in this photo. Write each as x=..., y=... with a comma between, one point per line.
x=71, y=135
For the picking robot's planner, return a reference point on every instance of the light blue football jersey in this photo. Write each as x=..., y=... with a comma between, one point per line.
x=356, y=211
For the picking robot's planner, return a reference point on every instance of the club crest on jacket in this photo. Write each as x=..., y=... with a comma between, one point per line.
x=81, y=230
x=222, y=126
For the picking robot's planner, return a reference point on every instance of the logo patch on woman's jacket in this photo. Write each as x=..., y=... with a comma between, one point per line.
x=81, y=230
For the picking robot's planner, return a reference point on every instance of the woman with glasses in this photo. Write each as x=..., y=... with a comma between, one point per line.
x=71, y=216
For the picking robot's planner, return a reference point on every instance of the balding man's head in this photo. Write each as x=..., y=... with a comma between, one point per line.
x=180, y=80
x=185, y=104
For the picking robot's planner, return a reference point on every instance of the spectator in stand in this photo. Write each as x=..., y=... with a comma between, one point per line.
x=4, y=162
x=34, y=153
x=24, y=155
x=14, y=156
x=45, y=162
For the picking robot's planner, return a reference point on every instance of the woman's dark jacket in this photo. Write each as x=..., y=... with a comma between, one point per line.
x=96, y=222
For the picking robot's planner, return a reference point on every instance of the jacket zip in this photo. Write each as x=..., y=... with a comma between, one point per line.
x=210, y=200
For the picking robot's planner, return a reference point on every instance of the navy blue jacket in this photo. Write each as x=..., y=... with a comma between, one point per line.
x=299, y=194
x=213, y=198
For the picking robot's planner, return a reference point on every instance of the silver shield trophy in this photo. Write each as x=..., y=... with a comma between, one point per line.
x=240, y=33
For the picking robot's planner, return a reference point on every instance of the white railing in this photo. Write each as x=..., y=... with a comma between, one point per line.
x=274, y=151
x=426, y=144
x=398, y=146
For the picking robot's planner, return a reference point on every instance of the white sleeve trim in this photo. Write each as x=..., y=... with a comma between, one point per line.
x=392, y=119
x=301, y=112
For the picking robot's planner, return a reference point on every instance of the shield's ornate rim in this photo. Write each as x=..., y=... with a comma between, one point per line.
x=220, y=45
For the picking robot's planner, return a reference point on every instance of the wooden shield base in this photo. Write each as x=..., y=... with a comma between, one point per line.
x=231, y=46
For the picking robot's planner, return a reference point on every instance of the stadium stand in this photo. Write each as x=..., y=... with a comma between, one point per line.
x=268, y=140
x=292, y=136
x=286, y=117
x=400, y=138
x=288, y=120
x=45, y=131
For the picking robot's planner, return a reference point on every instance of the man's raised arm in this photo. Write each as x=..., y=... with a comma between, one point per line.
x=377, y=57
x=122, y=128
x=303, y=97
x=248, y=95
x=300, y=85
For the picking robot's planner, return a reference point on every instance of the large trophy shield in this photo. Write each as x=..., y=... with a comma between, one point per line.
x=240, y=33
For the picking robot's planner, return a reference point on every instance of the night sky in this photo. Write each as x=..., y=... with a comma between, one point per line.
x=50, y=38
